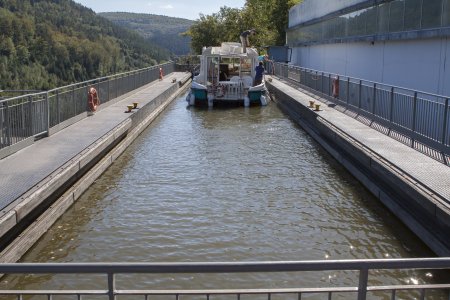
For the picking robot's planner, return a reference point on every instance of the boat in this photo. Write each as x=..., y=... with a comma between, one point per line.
x=226, y=76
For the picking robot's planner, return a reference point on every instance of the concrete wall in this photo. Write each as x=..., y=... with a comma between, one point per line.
x=415, y=64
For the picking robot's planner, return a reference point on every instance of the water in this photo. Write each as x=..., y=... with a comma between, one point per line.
x=241, y=184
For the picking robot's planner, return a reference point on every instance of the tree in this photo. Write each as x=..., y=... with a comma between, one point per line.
x=280, y=18
x=206, y=32
x=268, y=17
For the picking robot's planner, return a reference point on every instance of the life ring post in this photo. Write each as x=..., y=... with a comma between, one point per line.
x=161, y=73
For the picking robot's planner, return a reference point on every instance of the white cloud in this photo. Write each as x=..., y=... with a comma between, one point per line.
x=168, y=6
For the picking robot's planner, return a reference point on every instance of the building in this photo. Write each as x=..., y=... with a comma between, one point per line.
x=404, y=43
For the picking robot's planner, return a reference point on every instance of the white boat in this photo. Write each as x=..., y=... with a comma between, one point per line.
x=226, y=77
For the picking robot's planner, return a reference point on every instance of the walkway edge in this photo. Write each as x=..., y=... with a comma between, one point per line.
x=28, y=237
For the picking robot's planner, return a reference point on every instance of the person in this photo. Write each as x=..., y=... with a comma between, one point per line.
x=244, y=38
x=259, y=73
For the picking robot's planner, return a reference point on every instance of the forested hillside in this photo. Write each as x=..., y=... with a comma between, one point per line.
x=162, y=30
x=50, y=43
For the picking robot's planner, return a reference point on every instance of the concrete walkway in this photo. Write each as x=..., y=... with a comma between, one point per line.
x=24, y=169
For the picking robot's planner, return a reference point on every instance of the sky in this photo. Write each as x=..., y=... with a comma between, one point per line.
x=187, y=9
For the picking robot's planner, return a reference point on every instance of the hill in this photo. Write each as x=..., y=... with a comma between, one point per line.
x=161, y=30
x=49, y=43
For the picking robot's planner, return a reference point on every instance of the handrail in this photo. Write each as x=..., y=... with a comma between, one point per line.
x=112, y=269
x=87, y=82
x=26, y=117
x=415, y=118
x=361, y=79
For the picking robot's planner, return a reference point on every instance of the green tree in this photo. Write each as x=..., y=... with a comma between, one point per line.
x=7, y=47
x=207, y=31
x=268, y=17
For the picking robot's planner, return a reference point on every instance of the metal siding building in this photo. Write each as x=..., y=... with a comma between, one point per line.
x=399, y=42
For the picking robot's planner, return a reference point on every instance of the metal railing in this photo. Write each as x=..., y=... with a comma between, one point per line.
x=32, y=115
x=419, y=119
x=111, y=290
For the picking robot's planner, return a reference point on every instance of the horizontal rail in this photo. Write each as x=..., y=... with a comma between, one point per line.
x=226, y=267
x=421, y=118
x=27, y=117
x=111, y=270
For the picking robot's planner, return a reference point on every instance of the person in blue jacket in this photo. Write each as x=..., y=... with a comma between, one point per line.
x=259, y=69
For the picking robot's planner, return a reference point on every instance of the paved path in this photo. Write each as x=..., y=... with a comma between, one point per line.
x=24, y=169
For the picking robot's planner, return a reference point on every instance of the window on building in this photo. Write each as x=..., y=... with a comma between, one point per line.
x=396, y=16
x=413, y=10
x=431, y=13
x=446, y=13
x=383, y=18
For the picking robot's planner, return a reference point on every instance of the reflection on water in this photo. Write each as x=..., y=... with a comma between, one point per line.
x=224, y=185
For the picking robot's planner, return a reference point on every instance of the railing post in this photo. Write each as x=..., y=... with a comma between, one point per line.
x=374, y=98
x=74, y=102
x=413, y=127
x=321, y=82
x=362, y=285
x=117, y=87
x=348, y=90
x=359, y=94
x=445, y=125
x=317, y=78
x=48, y=114
x=330, y=85
x=111, y=286
x=30, y=103
x=107, y=90
x=8, y=125
x=58, y=108
x=391, y=113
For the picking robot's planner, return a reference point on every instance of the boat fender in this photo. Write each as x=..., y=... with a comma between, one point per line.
x=246, y=101
x=192, y=99
x=263, y=100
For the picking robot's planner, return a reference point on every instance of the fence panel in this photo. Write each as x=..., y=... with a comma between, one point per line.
x=30, y=115
x=419, y=116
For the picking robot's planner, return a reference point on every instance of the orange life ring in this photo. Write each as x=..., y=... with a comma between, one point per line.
x=93, y=100
x=336, y=87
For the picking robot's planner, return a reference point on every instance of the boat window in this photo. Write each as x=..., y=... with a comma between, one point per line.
x=213, y=69
x=224, y=74
x=246, y=66
x=233, y=66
